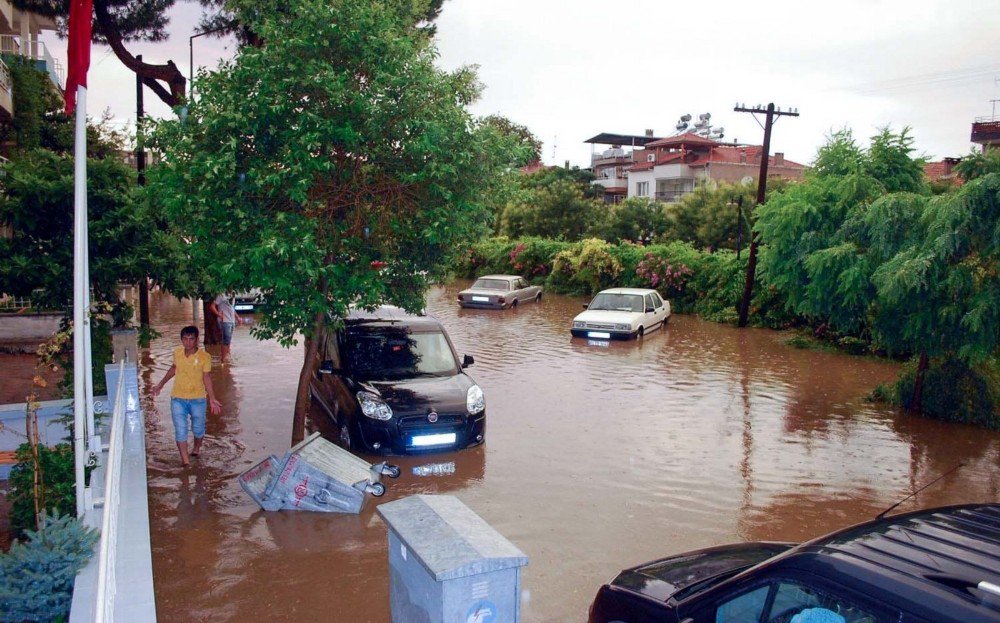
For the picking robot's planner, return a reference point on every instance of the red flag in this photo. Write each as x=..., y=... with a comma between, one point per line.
x=80, y=16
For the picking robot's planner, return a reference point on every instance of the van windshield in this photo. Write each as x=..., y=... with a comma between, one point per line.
x=383, y=353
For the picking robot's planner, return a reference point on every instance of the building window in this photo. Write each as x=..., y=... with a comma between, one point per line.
x=642, y=189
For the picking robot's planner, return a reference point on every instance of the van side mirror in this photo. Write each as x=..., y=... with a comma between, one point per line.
x=467, y=361
x=326, y=367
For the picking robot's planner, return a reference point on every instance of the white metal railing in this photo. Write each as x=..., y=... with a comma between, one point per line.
x=106, y=580
x=5, y=80
x=987, y=119
x=35, y=50
x=14, y=303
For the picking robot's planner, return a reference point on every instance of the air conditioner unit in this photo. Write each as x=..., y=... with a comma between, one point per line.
x=650, y=157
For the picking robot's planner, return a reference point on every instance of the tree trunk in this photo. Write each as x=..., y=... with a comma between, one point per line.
x=310, y=364
x=213, y=332
x=917, y=401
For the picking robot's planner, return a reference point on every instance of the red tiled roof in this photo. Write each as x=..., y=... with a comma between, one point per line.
x=735, y=155
x=534, y=167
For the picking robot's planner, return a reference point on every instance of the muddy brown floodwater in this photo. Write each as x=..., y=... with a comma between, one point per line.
x=596, y=458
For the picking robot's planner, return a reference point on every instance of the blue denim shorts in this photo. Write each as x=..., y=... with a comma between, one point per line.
x=181, y=409
x=227, y=332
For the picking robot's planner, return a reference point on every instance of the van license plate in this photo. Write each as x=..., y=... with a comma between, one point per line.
x=481, y=299
x=433, y=440
x=601, y=334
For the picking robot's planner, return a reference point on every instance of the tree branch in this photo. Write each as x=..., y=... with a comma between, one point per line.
x=151, y=75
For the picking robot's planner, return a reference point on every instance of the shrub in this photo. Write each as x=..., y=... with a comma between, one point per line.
x=662, y=275
x=37, y=575
x=585, y=267
x=58, y=485
x=953, y=392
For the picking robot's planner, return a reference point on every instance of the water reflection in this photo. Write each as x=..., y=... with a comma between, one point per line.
x=596, y=458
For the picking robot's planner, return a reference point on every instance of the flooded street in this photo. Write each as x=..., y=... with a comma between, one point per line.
x=596, y=458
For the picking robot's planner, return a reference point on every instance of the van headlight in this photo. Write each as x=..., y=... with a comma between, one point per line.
x=373, y=406
x=474, y=400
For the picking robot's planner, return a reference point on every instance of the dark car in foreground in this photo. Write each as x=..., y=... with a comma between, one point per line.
x=933, y=566
x=390, y=382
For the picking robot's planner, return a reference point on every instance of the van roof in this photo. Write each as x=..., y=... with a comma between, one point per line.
x=943, y=553
x=390, y=314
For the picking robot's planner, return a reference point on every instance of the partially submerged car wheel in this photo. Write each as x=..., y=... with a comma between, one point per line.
x=514, y=304
x=638, y=334
x=538, y=297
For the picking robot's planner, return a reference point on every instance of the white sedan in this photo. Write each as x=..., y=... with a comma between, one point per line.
x=622, y=314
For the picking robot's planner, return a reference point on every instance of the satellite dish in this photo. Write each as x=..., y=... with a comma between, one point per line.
x=686, y=118
x=747, y=180
x=681, y=126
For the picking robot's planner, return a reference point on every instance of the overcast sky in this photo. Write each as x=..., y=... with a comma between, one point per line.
x=569, y=70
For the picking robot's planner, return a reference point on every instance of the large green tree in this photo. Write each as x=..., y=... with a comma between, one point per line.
x=332, y=166
x=559, y=210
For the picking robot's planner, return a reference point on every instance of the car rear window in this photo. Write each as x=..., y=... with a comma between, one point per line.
x=492, y=284
x=383, y=353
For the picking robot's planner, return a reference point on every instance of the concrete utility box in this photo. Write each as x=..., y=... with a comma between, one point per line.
x=447, y=565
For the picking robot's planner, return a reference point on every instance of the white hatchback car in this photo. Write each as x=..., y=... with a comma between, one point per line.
x=622, y=314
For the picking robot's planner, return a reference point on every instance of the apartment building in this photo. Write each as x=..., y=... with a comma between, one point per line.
x=666, y=169
x=19, y=32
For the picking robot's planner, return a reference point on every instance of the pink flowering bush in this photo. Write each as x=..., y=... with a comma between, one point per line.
x=659, y=274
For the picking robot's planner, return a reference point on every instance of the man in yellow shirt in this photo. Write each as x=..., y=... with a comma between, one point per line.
x=188, y=398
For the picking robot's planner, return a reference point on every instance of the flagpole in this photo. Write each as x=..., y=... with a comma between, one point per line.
x=80, y=295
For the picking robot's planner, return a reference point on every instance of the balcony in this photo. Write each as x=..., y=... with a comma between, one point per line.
x=6, y=92
x=986, y=130
x=671, y=196
x=36, y=51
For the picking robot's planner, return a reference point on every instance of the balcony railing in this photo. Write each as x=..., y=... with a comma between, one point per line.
x=36, y=51
x=671, y=196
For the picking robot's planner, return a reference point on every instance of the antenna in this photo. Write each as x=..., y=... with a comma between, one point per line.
x=555, y=141
x=886, y=511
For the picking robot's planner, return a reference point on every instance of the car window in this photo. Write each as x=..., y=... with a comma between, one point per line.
x=649, y=302
x=329, y=350
x=798, y=603
x=521, y=283
x=657, y=301
x=746, y=608
x=617, y=302
x=383, y=353
x=492, y=284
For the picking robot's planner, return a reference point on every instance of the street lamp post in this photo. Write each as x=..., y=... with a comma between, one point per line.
x=191, y=57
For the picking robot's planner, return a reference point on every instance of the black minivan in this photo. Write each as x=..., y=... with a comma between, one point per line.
x=390, y=382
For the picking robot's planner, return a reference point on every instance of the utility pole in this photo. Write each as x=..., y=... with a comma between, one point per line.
x=140, y=167
x=739, y=226
x=744, y=308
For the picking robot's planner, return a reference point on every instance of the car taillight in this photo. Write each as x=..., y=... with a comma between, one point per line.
x=502, y=300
